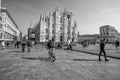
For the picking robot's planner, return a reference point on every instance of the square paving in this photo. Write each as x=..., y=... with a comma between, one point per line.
x=70, y=65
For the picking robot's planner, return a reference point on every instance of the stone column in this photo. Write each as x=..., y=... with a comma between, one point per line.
x=69, y=15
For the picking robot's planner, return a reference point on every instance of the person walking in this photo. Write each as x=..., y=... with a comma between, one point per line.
x=23, y=44
x=117, y=44
x=102, y=50
x=28, y=46
x=3, y=44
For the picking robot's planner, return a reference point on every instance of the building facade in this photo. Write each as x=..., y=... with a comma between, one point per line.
x=9, y=31
x=109, y=33
x=31, y=33
x=89, y=37
x=64, y=26
x=74, y=32
x=56, y=25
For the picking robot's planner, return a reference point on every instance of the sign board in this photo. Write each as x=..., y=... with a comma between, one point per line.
x=32, y=35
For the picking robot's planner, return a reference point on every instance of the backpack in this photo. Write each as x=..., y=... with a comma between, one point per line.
x=50, y=45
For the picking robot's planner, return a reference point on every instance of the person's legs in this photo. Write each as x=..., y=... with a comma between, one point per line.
x=53, y=55
x=49, y=52
x=23, y=49
x=100, y=55
x=105, y=56
x=28, y=48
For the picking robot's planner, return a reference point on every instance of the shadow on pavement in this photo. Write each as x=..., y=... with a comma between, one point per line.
x=36, y=58
x=15, y=51
x=84, y=59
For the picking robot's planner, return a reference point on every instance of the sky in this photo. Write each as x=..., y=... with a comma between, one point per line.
x=89, y=14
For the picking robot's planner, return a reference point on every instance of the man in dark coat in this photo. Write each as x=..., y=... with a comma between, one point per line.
x=102, y=50
x=117, y=44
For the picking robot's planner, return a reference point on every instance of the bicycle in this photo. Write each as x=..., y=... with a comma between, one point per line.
x=52, y=55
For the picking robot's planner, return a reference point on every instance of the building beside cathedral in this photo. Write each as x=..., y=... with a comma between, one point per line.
x=106, y=32
x=56, y=25
x=109, y=33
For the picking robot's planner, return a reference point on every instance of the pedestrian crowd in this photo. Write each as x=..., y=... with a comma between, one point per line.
x=51, y=45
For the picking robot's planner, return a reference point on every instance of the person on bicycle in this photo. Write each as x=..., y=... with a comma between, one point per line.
x=51, y=47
